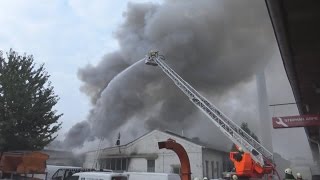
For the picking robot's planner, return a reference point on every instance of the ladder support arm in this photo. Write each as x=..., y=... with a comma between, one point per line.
x=238, y=136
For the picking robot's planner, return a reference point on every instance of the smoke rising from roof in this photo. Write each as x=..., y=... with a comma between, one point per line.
x=217, y=46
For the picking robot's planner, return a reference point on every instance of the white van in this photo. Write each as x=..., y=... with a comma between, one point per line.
x=98, y=176
x=52, y=169
x=152, y=176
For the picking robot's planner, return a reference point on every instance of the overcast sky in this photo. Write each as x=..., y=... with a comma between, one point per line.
x=68, y=34
x=65, y=35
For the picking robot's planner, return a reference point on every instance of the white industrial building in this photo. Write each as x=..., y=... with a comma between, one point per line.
x=143, y=155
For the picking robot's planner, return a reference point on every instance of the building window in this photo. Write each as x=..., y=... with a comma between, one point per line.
x=124, y=164
x=212, y=169
x=218, y=170
x=116, y=178
x=207, y=169
x=113, y=164
x=151, y=165
x=228, y=164
x=105, y=163
x=176, y=169
x=116, y=164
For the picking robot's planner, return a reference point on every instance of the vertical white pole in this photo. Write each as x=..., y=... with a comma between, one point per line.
x=264, y=115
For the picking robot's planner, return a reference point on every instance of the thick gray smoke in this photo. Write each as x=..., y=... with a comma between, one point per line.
x=215, y=45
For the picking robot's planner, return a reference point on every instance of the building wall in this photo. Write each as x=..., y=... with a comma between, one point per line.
x=60, y=158
x=146, y=148
x=137, y=165
x=89, y=159
x=215, y=157
x=166, y=160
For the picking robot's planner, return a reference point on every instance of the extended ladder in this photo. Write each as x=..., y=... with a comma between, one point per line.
x=238, y=136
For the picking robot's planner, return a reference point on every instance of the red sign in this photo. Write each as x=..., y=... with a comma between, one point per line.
x=296, y=121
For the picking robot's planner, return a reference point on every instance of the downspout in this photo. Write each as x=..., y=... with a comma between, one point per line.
x=182, y=154
x=314, y=141
x=317, y=143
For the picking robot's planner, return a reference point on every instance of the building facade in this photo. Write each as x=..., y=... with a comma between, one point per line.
x=60, y=158
x=143, y=155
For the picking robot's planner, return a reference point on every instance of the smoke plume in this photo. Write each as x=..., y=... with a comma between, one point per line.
x=215, y=45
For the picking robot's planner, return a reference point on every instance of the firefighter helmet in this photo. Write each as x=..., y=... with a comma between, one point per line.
x=288, y=171
x=235, y=177
x=299, y=175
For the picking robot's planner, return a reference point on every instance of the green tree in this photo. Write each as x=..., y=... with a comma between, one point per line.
x=244, y=126
x=27, y=118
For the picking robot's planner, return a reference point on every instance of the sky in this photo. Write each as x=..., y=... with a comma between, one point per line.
x=65, y=35
x=69, y=34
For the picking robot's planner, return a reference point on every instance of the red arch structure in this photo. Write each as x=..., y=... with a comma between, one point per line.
x=182, y=154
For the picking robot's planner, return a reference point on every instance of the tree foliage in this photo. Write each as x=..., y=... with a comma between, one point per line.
x=27, y=118
x=244, y=126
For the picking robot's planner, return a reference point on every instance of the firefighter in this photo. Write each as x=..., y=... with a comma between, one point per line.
x=288, y=174
x=205, y=178
x=239, y=155
x=299, y=176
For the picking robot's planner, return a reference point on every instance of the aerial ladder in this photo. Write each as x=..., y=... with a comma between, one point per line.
x=254, y=161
